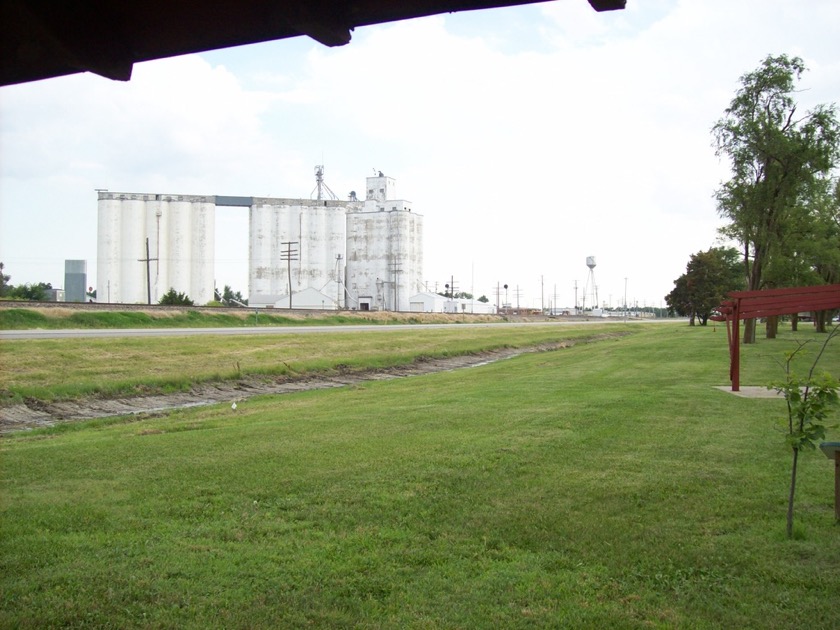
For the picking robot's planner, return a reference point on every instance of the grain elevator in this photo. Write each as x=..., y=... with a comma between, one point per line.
x=180, y=232
x=302, y=253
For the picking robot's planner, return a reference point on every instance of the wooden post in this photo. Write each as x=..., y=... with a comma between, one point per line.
x=832, y=451
x=837, y=485
x=736, y=347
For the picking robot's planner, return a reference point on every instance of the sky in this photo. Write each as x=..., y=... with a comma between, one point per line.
x=529, y=138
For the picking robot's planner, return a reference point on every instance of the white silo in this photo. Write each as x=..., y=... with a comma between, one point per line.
x=181, y=247
x=202, y=276
x=177, y=248
x=108, y=235
x=132, y=285
x=310, y=233
x=157, y=226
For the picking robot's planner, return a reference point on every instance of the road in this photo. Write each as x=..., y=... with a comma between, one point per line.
x=94, y=333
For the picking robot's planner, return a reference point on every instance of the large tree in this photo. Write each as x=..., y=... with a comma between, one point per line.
x=780, y=159
x=708, y=277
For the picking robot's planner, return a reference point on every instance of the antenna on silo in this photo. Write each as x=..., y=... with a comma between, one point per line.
x=591, y=289
x=323, y=191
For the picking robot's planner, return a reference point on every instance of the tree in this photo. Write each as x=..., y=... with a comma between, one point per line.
x=809, y=402
x=228, y=295
x=708, y=277
x=809, y=252
x=778, y=159
x=4, y=281
x=461, y=295
x=35, y=292
x=484, y=299
x=173, y=298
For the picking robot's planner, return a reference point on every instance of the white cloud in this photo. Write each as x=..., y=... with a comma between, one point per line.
x=527, y=148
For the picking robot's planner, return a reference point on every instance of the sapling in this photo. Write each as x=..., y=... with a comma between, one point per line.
x=809, y=402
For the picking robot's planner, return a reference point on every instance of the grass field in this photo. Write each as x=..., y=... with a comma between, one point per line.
x=606, y=485
x=124, y=366
x=54, y=318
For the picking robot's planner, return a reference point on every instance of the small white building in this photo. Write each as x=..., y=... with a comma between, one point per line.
x=308, y=298
x=426, y=302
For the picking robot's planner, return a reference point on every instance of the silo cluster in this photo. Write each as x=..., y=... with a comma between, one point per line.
x=321, y=253
x=301, y=239
x=180, y=232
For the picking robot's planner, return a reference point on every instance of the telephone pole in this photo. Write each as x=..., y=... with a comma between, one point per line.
x=148, y=261
x=338, y=279
x=395, y=269
x=289, y=255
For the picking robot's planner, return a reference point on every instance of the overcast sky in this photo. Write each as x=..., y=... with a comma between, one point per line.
x=528, y=137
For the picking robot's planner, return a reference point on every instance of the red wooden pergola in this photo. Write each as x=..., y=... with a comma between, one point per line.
x=757, y=304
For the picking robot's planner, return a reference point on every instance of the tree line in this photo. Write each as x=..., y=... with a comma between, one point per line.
x=781, y=202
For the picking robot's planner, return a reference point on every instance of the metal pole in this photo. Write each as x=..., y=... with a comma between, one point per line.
x=837, y=485
x=148, y=273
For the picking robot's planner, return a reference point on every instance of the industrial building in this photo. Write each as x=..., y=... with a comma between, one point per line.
x=173, y=236
x=303, y=253
x=384, y=249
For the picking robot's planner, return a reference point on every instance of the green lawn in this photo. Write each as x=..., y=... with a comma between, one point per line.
x=47, y=369
x=608, y=485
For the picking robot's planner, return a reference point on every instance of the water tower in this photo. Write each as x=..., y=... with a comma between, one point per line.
x=591, y=289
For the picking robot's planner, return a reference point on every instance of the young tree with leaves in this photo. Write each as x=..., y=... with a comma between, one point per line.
x=778, y=158
x=810, y=401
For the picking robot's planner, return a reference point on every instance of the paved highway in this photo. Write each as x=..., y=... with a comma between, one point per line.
x=278, y=330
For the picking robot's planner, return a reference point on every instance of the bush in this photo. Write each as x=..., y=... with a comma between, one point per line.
x=173, y=298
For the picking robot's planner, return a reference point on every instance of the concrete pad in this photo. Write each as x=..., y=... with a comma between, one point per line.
x=751, y=391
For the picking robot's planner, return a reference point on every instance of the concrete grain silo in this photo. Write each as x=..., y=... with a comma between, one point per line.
x=325, y=252
x=300, y=237
x=181, y=233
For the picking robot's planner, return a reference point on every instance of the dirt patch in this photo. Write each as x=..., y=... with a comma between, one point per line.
x=33, y=414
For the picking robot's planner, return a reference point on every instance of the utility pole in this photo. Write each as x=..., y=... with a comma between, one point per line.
x=148, y=261
x=395, y=269
x=289, y=255
x=542, y=294
x=450, y=288
x=338, y=279
x=625, y=300
x=576, y=308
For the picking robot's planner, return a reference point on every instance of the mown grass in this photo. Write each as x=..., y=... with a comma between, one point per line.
x=124, y=366
x=607, y=485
